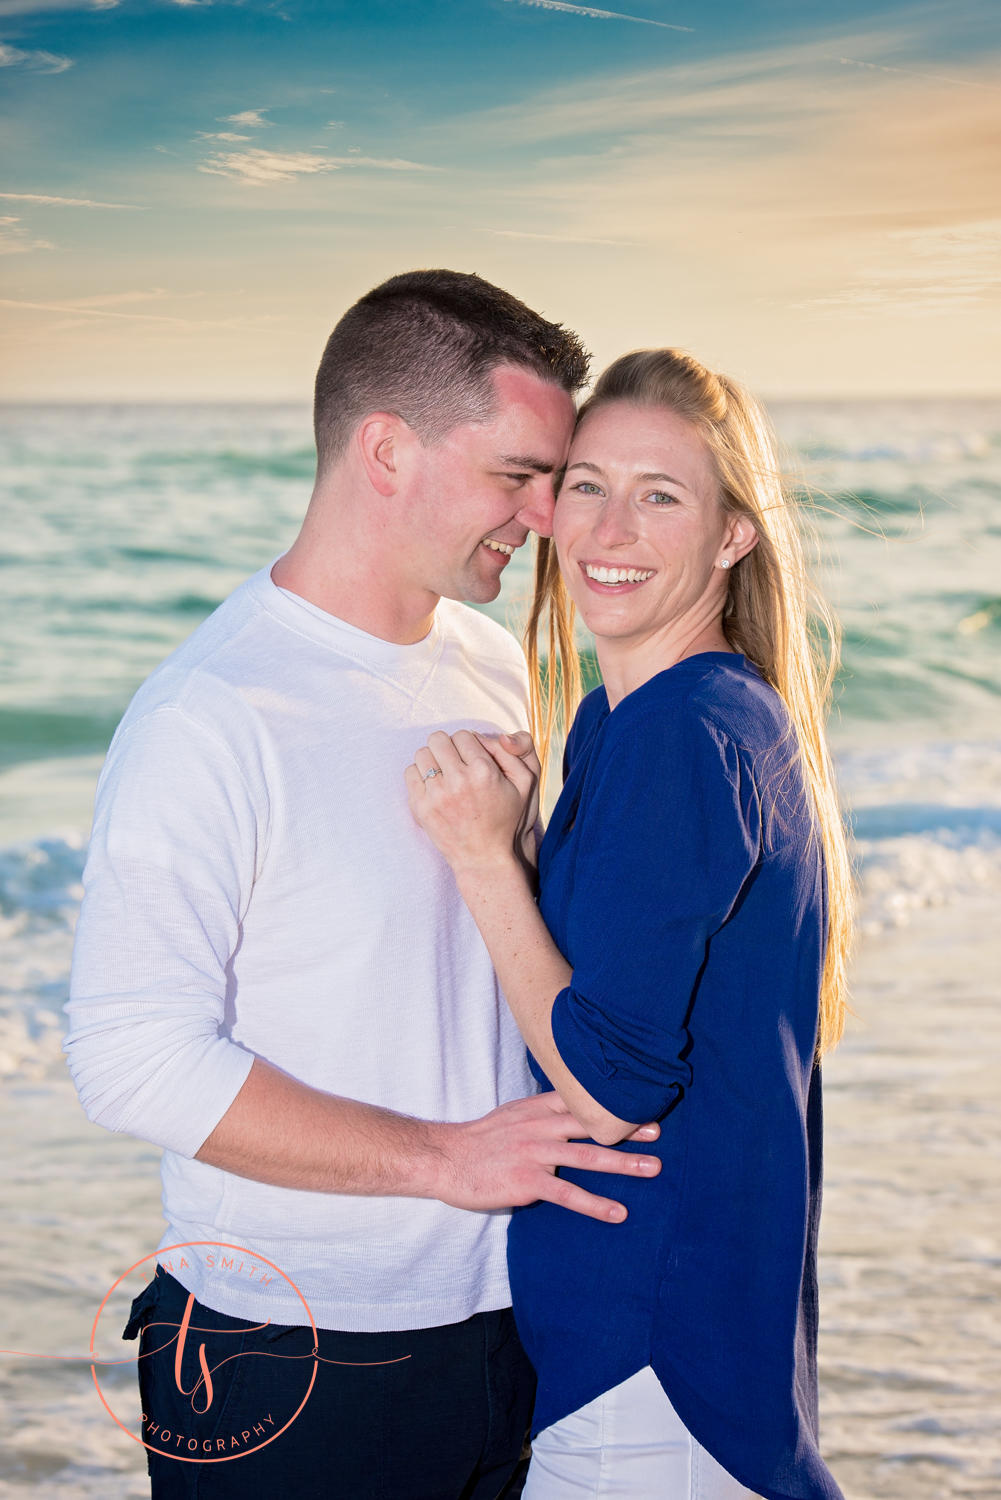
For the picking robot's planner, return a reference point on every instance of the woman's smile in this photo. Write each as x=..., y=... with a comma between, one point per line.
x=614, y=577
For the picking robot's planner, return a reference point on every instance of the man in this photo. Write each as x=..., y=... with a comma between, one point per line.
x=275, y=978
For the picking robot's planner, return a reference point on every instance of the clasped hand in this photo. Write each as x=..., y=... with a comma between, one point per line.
x=481, y=804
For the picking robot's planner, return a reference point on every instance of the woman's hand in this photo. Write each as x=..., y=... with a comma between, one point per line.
x=477, y=797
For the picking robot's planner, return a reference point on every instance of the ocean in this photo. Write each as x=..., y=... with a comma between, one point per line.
x=124, y=526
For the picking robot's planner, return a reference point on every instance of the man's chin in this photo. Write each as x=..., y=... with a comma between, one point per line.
x=473, y=589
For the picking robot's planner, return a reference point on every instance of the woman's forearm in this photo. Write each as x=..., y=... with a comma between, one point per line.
x=531, y=971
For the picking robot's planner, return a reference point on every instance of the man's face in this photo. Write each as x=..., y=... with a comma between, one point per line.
x=487, y=483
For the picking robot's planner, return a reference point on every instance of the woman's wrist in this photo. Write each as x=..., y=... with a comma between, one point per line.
x=490, y=875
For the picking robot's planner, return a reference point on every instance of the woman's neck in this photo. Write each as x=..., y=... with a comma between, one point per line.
x=626, y=663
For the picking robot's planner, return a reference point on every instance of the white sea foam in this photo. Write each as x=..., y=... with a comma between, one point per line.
x=40, y=893
x=928, y=830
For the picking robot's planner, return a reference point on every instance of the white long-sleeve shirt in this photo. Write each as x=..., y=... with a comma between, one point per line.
x=257, y=886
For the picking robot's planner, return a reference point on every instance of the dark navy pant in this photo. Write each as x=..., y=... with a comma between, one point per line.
x=433, y=1414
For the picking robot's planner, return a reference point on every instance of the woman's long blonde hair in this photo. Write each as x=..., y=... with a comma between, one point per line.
x=772, y=613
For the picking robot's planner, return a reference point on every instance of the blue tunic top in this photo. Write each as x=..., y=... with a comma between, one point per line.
x=682, y=878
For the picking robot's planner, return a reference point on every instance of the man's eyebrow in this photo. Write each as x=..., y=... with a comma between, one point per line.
x=521, y=461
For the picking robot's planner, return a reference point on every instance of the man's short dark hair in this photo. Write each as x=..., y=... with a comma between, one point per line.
x=423, y=346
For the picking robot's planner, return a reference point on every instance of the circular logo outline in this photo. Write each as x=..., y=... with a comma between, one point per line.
x=218, y=1245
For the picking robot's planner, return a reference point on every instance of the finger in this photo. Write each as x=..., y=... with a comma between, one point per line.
x=522, y=745
x=513, y=767
x=519, y=743
x=470, y=747
x=565, y=1123
x=554, y=1101
x=412, y=777
x=602, y=1159
x=568, y=1195
x=648, y=1132
x=426, y=762
x=441, y=746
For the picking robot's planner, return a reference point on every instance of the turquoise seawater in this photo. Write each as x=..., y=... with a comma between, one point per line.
x=122, y=527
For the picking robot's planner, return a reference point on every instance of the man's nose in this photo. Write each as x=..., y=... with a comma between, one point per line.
x=540, y=502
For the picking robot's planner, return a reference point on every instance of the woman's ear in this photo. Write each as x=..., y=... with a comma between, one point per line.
x=742, y=535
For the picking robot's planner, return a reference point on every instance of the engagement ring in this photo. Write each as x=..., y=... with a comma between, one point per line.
x=434, y=771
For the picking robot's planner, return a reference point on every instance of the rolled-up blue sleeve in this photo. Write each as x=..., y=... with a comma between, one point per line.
x=667, y=839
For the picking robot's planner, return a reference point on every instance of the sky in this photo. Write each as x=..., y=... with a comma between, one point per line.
x=806, y=195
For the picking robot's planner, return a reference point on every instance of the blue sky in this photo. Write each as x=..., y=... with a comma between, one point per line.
x=804, y=194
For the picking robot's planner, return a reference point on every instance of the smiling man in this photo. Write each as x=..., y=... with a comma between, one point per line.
x=275, y=977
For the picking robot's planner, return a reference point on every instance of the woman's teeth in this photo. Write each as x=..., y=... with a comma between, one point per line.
x=504, y=547
x=617, y=575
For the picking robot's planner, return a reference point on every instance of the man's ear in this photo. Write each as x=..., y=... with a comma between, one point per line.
x=380, y=439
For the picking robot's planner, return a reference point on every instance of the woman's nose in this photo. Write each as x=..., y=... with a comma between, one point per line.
x=616, y=526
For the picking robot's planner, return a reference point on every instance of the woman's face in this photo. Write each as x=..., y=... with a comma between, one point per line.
x=639, y=504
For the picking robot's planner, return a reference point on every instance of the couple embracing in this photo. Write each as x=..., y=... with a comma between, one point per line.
x=426, y=1060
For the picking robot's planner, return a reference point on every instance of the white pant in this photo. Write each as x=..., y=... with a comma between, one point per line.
x=629, y=1444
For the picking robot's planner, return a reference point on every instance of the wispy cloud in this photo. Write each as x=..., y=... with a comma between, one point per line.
x=923, y=271
x=384, y=163
x=33, y=7
x=246, y=117
x=109, y=299
x=259, y=168
x=972, y=83
x=768, y=175
x=78, y=310
x=33, y=62
x=67, y=202
x=559, y=239
x=221, y=135
x=14, y=239
x=599, y=15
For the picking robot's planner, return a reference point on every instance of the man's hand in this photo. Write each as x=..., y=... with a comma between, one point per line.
x=283, y=1132
x=510, y=1157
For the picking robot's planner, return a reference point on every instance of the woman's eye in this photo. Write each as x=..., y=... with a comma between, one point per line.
x=659, y=497
x=587, y=489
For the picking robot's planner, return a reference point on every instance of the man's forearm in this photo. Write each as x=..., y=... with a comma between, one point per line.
x=280, y=1131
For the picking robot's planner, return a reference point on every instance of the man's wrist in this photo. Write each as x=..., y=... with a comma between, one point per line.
x=433, y=1174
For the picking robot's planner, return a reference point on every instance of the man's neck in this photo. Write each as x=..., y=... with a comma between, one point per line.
x=356, y=588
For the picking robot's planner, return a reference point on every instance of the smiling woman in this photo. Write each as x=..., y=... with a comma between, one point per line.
x=685, y=961
x=721, y=502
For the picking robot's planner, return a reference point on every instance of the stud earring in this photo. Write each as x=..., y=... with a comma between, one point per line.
x=724, y=562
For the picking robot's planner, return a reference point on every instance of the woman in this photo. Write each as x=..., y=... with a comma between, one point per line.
x=685, y=961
